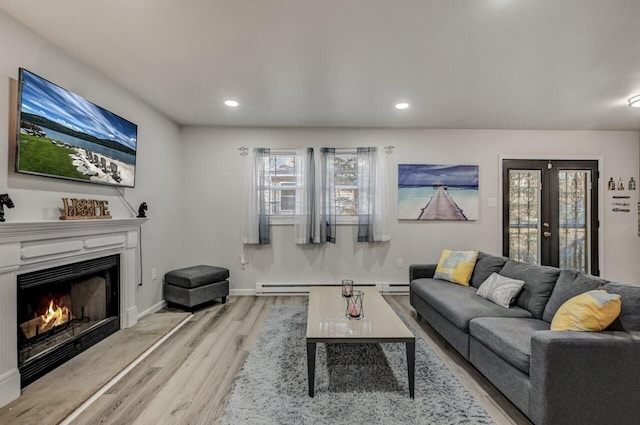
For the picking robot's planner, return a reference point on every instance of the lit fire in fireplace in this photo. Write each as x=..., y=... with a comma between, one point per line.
x=58, y=315
x=55, y=315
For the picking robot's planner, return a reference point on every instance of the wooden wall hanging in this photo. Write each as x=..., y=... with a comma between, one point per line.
x=84, y=209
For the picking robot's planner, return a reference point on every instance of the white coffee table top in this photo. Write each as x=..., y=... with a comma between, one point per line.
x=327, y=321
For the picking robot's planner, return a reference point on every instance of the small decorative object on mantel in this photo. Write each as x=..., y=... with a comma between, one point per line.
x=5, y=200
x=354, y=305
x=347, y=287
x=84, y=209
x=141, y=210
x=632, y=184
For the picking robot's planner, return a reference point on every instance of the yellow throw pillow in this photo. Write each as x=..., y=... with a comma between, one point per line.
x=591, y=311
x=456, y=266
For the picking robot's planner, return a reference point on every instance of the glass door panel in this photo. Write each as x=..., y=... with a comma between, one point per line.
x=524, y=214
x=573, y=186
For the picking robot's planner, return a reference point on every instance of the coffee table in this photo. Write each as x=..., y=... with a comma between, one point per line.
x=327, y=323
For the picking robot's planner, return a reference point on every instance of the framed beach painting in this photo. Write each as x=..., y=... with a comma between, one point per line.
x=438, y=192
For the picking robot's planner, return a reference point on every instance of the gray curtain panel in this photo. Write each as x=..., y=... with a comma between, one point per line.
x=262, y=156
x=328, y=207
x=306, y=219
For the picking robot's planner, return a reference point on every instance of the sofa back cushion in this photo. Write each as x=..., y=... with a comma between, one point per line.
x=629, y=319
x=486, y=265
x=570, y=283
x=538, y=284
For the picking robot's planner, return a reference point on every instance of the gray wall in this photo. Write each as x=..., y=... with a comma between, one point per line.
x=192, y=180
x=213, y=171
x=158, y=174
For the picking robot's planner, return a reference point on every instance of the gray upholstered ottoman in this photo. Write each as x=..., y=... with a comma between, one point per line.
x=196, y=285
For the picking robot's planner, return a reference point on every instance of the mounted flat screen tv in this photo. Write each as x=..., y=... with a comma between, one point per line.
x=62, y=135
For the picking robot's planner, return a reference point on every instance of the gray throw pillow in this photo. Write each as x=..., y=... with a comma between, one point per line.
x=500, y=290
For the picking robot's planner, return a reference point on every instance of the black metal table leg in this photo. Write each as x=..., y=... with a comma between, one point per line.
x=311, y=365
x=411, y=366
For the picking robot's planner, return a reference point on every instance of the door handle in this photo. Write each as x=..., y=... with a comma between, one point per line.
x=547, y=234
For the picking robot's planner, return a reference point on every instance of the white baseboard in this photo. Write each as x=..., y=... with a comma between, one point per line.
x=242, y=292
x=9, y=386
x=153, y=309
x=300, y=288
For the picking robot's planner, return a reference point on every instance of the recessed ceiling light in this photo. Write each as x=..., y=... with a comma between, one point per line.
x=634, y=102
x=232, y=103
x=402, y=105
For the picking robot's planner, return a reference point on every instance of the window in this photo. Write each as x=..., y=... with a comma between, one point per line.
x=281, y=181
x=280, y=178
x=346, y=178
x=293, y=187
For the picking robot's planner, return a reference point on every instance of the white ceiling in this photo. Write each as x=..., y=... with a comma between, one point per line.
x=501, y=64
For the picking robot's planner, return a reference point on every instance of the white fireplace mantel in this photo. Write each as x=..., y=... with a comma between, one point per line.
x=37, y=245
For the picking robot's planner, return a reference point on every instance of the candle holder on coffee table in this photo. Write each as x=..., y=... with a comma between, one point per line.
x=347, y=287
x=354, y=305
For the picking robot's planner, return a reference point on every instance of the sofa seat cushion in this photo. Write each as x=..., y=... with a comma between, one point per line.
x=570, y=283
x=538, y=284
x=508, y=338
x=459, y=304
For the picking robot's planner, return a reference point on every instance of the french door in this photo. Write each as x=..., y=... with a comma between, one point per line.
x=550, y=213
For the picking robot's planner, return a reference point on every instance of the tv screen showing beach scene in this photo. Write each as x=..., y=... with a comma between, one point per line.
x=63, y=135
x=438, y=192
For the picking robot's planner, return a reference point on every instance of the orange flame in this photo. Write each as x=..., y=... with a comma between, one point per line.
x=55, y=315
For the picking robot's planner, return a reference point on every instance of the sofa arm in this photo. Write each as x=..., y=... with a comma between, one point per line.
x=585, y=378
x=417, y=271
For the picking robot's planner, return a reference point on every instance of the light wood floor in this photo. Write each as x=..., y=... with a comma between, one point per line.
x=189, y=378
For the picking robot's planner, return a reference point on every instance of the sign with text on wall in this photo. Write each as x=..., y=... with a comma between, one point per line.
x=84, y=209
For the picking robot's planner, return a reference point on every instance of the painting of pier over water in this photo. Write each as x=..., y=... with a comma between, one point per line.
x=438, y=192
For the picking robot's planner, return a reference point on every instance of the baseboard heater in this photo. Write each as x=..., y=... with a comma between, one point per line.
x=299, y=288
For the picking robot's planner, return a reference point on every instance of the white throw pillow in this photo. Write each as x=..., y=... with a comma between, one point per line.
x=500, y=290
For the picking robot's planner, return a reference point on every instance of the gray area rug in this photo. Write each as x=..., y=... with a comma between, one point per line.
x=355, y=384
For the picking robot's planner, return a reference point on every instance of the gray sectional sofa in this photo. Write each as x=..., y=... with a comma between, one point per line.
x=553, y=377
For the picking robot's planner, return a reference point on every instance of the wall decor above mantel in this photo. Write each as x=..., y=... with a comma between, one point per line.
x=84, y=209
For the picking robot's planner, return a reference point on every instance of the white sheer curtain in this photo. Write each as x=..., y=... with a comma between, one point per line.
x=256, y=229
x=306, y=221
x=373, y=198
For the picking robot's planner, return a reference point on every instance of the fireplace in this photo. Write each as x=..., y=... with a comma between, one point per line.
x=38, y=253
x=64, y=310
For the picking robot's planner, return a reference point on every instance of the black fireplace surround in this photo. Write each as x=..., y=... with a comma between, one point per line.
x=64, y=310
